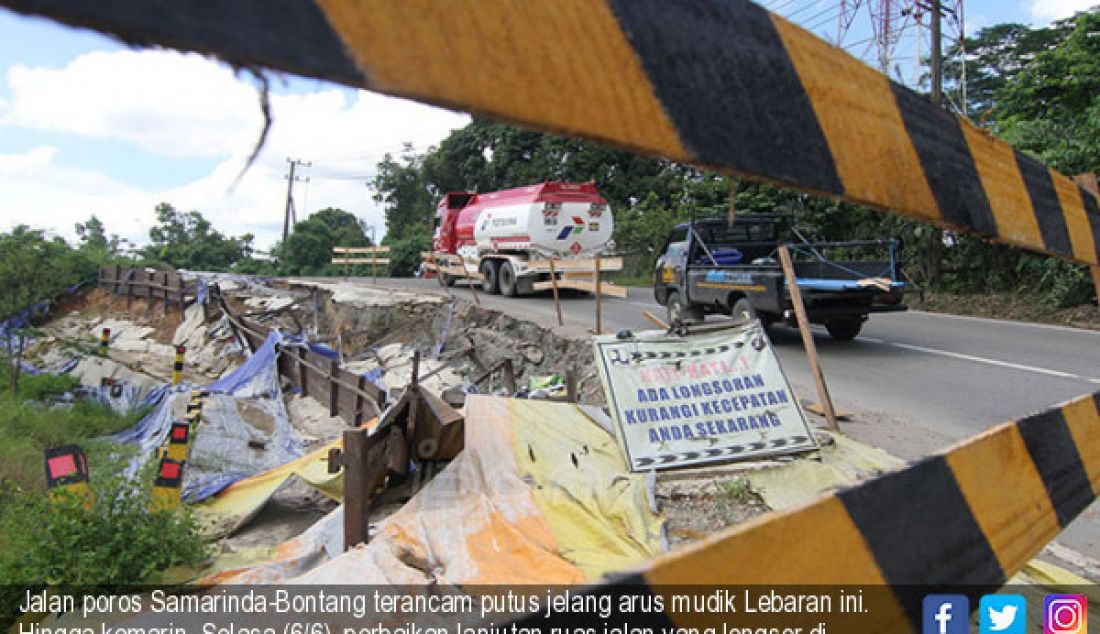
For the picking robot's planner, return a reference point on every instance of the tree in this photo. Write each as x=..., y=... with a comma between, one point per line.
x=189, y=241
x=401, y=187
x=994, y=56
x=33, y=269
x=1051, y=108
x=308, y=248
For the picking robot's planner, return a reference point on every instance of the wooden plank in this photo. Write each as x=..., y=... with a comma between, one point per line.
x=606, y=288
x=360, y=250
x=807, y=337
x=448, y=258
x=576, y=264
x=347, y=261
x=655, y=320
x=554, y=286
x=454, y=271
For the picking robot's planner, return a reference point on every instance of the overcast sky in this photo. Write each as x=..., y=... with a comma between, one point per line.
x=88, y=126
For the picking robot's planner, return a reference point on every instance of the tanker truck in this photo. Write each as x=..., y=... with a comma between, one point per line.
x=506, y=238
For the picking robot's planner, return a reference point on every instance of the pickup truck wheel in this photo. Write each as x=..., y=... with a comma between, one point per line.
x=742, y=310
x=675, y=308
x=449, y=280
x=844, y=329
x=507, y=280
x=489, y=283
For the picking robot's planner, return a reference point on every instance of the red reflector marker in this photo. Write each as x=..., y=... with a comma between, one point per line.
x=169, y=470
x=62, y=466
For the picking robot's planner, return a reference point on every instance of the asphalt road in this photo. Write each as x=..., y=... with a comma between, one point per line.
x=916, y=382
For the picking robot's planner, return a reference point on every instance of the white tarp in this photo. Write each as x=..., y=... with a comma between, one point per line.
x=703, y=398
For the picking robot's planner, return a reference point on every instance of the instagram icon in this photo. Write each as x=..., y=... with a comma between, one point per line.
x=1065, y=614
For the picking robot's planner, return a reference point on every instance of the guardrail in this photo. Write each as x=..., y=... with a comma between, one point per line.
x=167, y=286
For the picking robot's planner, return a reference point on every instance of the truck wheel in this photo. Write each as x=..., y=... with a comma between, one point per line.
x=449, y=280
x=844, y=329
x=675, y=308
x=742, y=310
x=489, y=277
x=507, y=280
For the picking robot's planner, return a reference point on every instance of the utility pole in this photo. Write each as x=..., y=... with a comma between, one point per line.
x=937, y=53
x=290, y=214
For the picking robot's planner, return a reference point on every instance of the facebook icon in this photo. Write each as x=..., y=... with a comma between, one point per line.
x=946, y=614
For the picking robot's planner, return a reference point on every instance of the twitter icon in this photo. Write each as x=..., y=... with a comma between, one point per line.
x=1002, y=614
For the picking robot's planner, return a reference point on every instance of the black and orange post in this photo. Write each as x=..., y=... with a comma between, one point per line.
x=177, y=365
x=67, y=474
x=104, y=340
x=168, y=486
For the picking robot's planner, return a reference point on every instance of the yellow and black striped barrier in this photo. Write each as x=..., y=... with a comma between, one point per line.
x=968, y=518
x=177, y=365
x=104, y=341
x=723, y=84
x=168, y=486
x=67, y=474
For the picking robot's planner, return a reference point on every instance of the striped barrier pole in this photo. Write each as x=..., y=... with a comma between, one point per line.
x=67, y=474
x=104, y=341
x=179, y=441
x=177, y=365
x=168, y=486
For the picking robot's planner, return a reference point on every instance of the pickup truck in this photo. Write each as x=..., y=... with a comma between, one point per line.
x=709, y=267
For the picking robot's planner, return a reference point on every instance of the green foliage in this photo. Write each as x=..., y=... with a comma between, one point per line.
x=405, y=252
x=1052, y=107
x=28, y=426
x=113, y=544
x=33, y=269
x=189, y=241
x=308, y=248
x=38, y=387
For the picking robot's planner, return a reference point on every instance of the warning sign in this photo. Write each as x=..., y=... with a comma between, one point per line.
x=707, y=398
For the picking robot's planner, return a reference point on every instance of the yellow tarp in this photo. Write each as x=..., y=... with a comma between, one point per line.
x=540, y=494
x=238, y=503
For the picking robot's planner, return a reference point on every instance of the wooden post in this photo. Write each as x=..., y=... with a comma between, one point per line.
x=347, y=256
x=164, y=289
x=509, y=377
x=439, y=272
x=554, y=287
x=731, y=215
x=571, y=385
x=118, y=279
x=334, y=387
x=303, y=372
x=355, y=488
x=469, y=280
x=374, y=267
x=361, y=385
x=130, y=292
x=807, y=337
x=1089, y=183
x=599, y=322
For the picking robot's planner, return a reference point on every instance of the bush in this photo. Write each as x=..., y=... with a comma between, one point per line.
x=111, y=545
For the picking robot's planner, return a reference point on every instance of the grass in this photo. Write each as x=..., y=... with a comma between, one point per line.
x=29, y=425
x=59, y=542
